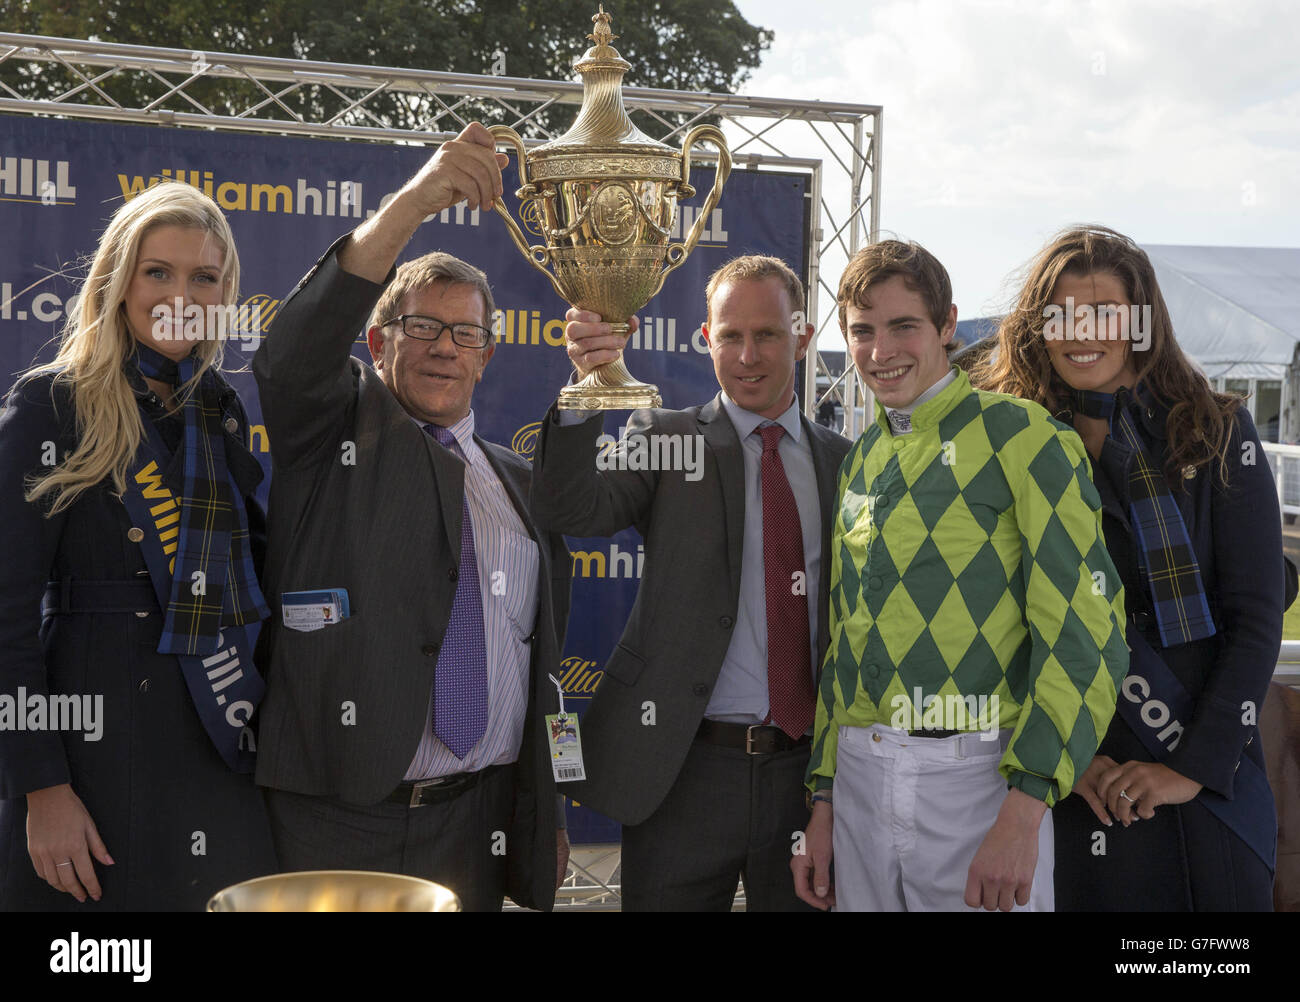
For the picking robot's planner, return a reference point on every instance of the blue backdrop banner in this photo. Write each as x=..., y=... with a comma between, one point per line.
x=287, y=199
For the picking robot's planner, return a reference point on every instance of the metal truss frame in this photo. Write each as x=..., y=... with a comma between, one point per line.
x=593, y=882
x=848, y=134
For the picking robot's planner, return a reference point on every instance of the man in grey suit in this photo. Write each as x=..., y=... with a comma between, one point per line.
x=409, y=736
x=698, y=734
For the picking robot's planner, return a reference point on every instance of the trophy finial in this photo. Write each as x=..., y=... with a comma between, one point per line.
x=602, y=34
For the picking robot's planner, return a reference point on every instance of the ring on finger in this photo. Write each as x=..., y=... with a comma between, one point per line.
x=1124, y=794
x=66, y=862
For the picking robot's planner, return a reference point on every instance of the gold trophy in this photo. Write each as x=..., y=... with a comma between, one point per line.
x=603, y=197
x=335, y=891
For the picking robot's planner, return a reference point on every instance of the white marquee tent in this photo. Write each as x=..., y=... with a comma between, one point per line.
x=1236, y=312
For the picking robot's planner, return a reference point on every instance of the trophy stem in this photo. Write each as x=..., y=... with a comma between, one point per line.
x=609, y=387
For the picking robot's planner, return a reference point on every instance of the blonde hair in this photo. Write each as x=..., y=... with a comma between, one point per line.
x=95, y=342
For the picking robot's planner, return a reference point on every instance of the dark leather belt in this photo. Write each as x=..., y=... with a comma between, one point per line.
x=71, y=595
x=938, y=733
x=427, y=792
x=756, y=739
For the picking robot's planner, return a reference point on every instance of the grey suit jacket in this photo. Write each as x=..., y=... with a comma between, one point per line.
x=677, y=634
x=362, y=499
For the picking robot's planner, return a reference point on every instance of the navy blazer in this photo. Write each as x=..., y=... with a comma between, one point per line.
x=1236, y=532
x=153, y=777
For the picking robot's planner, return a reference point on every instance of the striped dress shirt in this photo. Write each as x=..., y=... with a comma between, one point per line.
x=508, y=562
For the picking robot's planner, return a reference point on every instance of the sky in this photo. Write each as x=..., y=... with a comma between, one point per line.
x=1006, y=120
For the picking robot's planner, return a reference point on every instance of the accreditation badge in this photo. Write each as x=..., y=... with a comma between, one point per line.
x=566, y=747
x=306, y=611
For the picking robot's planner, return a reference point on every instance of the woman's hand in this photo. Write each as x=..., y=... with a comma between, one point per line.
x=1086, y=786
x=1135, y=789
x=61, y=838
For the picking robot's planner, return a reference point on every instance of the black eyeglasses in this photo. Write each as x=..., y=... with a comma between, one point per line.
x=431, y=328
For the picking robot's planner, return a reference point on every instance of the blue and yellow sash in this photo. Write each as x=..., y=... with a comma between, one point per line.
x=1157, y=716
x=221, y=610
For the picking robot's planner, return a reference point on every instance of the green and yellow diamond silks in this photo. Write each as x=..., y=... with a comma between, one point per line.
x=967, y=560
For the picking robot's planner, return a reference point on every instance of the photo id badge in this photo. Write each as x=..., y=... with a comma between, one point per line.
x=307, y=611
x=566, y=747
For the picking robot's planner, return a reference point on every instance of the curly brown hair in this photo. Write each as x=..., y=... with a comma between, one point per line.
x=1200, y=423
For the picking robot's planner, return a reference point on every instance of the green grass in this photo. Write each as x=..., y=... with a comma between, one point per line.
x=1291, y=622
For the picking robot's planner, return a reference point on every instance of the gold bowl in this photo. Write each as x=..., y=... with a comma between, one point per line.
x=335, y=891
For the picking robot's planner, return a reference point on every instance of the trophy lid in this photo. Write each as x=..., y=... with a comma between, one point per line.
x=603, y=124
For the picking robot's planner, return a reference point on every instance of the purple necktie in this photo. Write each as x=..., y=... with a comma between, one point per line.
x=460, y=708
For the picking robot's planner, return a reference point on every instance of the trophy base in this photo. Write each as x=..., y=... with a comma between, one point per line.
x=609, y=398
x=609, y=387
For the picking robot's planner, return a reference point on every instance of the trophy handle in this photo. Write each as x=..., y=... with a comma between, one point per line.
x=507, y=135
x=537, y=255
x=677, y=253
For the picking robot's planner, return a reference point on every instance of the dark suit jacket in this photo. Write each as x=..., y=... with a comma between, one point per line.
x=1184, y=858
x=363, y=499
x=679, y=629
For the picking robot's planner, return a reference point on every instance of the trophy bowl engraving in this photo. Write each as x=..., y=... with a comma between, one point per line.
x=603, y=198
x=613, y=213
x=612, y=281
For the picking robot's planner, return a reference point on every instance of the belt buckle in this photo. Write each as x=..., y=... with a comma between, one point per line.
x=750, y=740
x=419, y=786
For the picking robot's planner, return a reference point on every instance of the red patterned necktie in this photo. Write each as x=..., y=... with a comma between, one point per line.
x=789, y=660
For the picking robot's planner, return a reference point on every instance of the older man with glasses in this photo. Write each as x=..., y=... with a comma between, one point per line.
x=406, y=733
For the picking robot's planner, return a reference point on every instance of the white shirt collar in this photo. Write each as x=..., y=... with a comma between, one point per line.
x=900, y=418
x=745, y=421
x=462, y=431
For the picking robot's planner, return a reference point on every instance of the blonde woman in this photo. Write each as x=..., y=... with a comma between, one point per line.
x=1174, y=813
x=129, y=592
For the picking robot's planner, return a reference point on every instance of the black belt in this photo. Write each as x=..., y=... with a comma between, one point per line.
x=427, y=792
x=756, y=739
x=927, y=733
x=75, y=595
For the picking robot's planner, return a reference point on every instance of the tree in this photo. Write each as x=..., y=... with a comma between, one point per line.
x=689, y=45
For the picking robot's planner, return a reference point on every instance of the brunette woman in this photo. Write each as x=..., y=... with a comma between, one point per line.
x=1191, y=520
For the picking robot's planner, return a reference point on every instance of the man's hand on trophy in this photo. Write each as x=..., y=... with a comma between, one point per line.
x=466, y=168
x=590, y=342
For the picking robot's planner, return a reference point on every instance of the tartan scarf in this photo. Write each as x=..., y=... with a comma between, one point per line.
x=1165, y=553
x=214, y=582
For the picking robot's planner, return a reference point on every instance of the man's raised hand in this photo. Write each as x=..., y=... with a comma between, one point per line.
x=589, y=340
x=466, y=168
